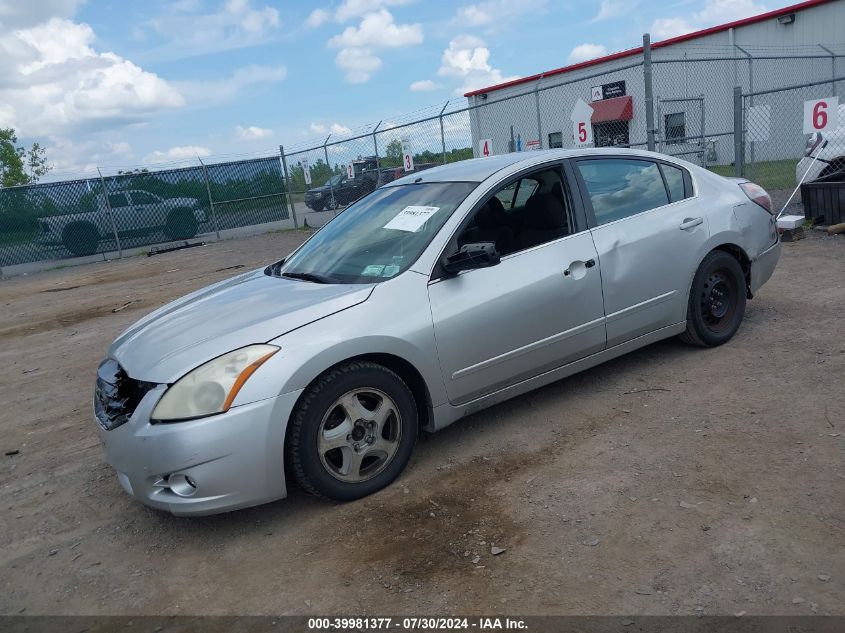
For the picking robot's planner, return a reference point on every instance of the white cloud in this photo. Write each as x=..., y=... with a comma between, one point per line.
x=721, y=11
x=496, y=14
x=378, y=30
x=358, y=63
x=52, y=80
x=252, y=132
x=423, y=85
x=714, y=12
x=210, y=92
x=583, y=52
x=335, y=128
x=17, y=14
x=317, y=17
x=349, y=9
x=468, y=59
x=664, y=28
x=178, y=153
x=611, y=9
x=339, y=129
x=237, y=24
x=358, y=44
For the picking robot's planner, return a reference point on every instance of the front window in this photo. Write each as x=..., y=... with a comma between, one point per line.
x=336, y=180
x=378, y=237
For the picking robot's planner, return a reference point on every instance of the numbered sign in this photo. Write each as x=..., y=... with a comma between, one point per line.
x=407, y=155
x=821, y=115
x=485, y=147
x=582, y=128
x=350, y=171
x=306, y=170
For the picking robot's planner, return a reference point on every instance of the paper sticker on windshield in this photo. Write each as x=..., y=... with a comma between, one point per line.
x=372, y=271
x=390, y=270
x=411, y=218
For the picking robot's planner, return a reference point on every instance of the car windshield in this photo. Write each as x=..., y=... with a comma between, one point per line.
x=379, y=236
x=335, y=180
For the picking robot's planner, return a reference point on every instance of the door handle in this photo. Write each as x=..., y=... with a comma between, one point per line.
x=689, y=223
x=587, y=264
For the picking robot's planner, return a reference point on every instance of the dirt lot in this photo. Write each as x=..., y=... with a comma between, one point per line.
x=671, y=481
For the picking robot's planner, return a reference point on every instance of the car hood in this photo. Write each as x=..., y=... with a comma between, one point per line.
x=251, y=308
x=322, y=189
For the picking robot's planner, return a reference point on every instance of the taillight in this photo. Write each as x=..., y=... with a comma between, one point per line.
x=757, y=195
x=813, y=141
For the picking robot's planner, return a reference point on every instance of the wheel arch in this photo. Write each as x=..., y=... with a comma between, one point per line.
x=401, y=367
x=741, y=256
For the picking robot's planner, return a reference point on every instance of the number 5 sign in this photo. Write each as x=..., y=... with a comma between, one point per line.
x=821, y=114
x=582, y=128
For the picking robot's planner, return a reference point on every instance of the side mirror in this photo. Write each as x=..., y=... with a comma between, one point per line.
x=472, y=256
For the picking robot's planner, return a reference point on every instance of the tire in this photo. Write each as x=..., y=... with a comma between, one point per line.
x=181, y=224
x=716, y=302
x=81, y=238
x=322, y=435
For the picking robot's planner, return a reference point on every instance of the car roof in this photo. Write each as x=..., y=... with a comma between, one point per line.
x=479, y=169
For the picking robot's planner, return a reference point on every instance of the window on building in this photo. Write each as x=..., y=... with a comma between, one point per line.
x=620, y=188
x=675, y=126
x=555, y=140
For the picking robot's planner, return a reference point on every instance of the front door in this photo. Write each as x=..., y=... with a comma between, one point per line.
x=538, y=309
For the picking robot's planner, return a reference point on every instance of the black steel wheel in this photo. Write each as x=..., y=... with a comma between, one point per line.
x=717, y=301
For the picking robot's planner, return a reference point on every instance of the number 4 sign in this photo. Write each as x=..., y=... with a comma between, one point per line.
x=821, y=114
x=485, y=147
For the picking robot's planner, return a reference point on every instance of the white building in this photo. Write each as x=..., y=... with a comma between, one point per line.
x=694, y=76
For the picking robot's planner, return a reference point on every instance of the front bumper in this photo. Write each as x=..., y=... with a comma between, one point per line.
x=234, y=459
x=763, y=267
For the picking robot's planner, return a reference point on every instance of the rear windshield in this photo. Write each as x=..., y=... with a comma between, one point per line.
x=379, y=236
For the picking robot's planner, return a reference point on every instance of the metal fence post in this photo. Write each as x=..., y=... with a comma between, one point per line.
x=649, y=92
x=210, y=199
x=287, y=184
x=537, y=107
x=331, y=186
x=442, y=134
x=832, y=66
x=378, y=164
x=739, y=140
x=111, y=215
x=753, y=162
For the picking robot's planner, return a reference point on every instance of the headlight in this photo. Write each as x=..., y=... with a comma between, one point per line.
x=318, y=194
x=211, y=388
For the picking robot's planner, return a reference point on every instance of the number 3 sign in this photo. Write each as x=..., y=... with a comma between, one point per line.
x=821, y=115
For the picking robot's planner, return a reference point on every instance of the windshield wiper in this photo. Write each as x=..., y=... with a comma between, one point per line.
x=312, y=277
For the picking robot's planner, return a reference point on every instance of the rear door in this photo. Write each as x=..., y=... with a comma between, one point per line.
x=647, y=225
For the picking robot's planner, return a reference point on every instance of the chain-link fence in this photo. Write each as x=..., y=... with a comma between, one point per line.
x=710, y=105
x=776, y=152
x=112, y=213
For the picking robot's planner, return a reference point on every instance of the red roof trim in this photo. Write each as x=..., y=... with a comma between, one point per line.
x=636, y=51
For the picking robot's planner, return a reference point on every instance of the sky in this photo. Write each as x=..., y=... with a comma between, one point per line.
x=121, y=84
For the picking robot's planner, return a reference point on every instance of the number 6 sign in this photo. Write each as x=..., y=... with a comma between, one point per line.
x=821, y=114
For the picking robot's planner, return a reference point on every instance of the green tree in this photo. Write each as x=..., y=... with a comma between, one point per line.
x=16, y=160
x=392, y=154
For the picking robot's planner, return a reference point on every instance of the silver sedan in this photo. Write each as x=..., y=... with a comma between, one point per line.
x=435, y=296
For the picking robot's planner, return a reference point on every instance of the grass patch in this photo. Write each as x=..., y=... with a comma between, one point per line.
x=771, y=174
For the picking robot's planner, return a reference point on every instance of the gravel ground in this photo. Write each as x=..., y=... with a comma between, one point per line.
x=673, y=480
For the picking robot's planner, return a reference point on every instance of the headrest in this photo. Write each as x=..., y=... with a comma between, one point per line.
x=545, y=211
x=492, y=215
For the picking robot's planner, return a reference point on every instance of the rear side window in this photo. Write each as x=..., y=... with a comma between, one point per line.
x=118, y=200
x=674, y=181
x=619, y=188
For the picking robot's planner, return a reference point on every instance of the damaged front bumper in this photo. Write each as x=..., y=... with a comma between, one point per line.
x=204, y=466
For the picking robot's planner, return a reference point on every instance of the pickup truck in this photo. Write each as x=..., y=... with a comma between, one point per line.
x=135, y=213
